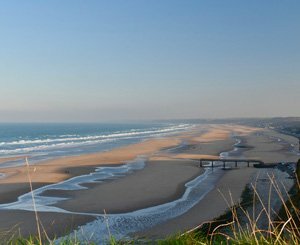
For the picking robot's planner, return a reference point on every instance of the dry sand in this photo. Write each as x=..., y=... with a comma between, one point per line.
x=162, y=179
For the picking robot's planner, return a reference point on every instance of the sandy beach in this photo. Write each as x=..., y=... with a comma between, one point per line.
x=169, y=165
x=123, y=120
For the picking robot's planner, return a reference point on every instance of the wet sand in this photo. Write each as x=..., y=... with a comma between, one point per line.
x=162, y=179
x=151, y=186
x=226, y=192
x=16, y=222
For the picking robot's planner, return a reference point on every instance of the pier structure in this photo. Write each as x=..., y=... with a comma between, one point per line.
x=236, y=162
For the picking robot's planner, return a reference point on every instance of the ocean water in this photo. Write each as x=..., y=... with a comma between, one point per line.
x=46, y=141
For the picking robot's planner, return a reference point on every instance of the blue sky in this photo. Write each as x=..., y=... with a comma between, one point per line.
x=148, y=59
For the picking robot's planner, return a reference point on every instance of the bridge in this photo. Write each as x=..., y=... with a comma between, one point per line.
x=224, y=161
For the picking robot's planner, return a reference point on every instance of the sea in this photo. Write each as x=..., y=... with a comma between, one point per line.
x=44, y=141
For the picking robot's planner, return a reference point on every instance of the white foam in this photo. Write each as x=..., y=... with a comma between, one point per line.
x=52, y=146
x=95, y=137
x=121, y=225
x=44, y=203
x=69, y=142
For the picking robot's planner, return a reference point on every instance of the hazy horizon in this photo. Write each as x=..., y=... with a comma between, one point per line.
x=100, y=61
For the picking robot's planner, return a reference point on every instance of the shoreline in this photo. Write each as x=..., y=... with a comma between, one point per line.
x=212, y=205
x=10, y=191
x=199, y=145
x=63, y=168
x=166, y=193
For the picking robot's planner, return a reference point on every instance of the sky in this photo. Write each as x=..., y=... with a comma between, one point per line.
x=94, y=61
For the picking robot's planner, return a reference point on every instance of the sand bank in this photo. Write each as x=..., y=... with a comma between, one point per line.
x=153, y=185
x=162, y=180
